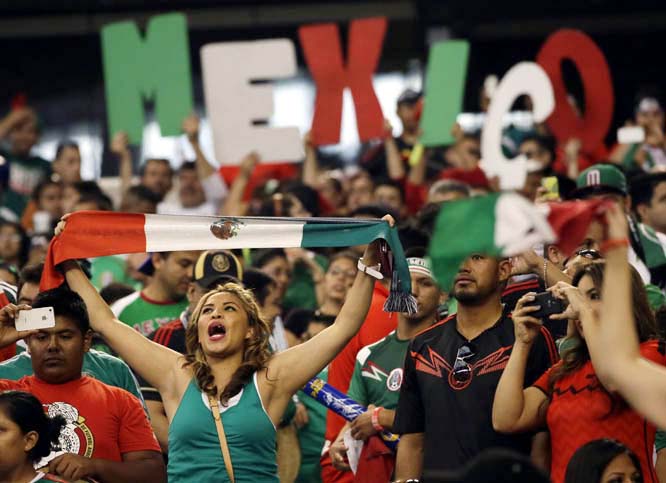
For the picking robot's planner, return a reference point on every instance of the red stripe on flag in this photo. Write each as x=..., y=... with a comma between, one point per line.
x=93, y=234
x=570, y=221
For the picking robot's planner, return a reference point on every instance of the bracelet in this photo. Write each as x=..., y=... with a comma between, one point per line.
x=372, y=271
x=375, y=419
x=545, y=272
x=614, y=243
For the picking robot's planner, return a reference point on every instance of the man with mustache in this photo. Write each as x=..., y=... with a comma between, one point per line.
x=451, y=373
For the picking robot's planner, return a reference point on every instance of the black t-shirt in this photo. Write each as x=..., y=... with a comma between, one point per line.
x=171, y=335
x=456, y=417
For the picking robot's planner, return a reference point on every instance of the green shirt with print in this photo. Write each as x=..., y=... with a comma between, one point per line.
x=145, y=315
x=378, y=373
x=103, y=367
x=25, y=173
x=111, y=269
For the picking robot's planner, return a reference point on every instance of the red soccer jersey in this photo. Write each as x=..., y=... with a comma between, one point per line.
x=378, y=324
x=581, y=411
x=102, y=421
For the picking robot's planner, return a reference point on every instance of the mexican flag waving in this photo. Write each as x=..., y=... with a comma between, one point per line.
x=99, y=233
x=504, y=225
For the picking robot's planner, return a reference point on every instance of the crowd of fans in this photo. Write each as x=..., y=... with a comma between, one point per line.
x=476, y=383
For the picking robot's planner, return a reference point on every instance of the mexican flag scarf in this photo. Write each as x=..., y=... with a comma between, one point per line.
x=504, y=225
x=99, y=233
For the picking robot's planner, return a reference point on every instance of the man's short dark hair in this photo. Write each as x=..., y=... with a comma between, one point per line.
x=65, y=303
x=393, y=184
x=259, y=283
x=642, y=188
x=115, y=291
x=102, y=201
x=30, y=274
x=373, y=211
x=188, y=166
x=142, y=168
x=263, y=256
x=141, y=193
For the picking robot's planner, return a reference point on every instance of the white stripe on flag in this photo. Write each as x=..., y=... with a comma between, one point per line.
x=171, y=233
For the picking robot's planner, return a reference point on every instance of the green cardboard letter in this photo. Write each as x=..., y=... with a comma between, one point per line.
x=156, y=67
x=445, y=86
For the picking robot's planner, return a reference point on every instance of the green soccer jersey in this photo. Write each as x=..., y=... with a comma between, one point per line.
x=311, y=436
x=146, y=315
x=103, y=367
x=111, y=269
x=378, y=372
x=25, y=173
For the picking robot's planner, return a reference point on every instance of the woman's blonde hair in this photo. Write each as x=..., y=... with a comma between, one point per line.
x=255, y=354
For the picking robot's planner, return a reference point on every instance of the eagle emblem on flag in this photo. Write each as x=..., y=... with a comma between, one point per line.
x=225, y=228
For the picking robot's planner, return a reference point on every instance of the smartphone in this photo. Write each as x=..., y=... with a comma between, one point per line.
x=630, y=135
x=33, y=319
x=552, y=187
x=548, y=304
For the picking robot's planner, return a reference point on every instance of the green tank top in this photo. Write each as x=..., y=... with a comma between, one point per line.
x=194, y=447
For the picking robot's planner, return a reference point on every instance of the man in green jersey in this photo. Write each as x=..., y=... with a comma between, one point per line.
x=377, y=376
x=163, y=298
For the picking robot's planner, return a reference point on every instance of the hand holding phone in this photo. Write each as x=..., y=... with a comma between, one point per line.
x=548, y=304
x=33, y=319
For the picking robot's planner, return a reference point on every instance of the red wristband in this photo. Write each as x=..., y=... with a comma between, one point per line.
x=614, y=243
x=375, y=419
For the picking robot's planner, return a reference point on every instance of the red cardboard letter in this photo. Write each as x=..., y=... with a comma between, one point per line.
x=323, y=54
x=593, y=68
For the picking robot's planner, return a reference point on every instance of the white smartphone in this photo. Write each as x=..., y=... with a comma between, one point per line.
x=33, y=319
x=630, y=135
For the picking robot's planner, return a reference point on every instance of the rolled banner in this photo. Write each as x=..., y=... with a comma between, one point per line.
x=344, y=406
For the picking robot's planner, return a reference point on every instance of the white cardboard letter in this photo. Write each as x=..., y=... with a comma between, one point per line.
x=233, y=103
x=523, y=78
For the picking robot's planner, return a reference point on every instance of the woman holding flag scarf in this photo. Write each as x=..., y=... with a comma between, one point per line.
x=228, y=364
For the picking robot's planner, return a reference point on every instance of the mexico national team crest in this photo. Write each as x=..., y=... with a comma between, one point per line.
x=394, y=381
x=75, y=437
x=225, y=228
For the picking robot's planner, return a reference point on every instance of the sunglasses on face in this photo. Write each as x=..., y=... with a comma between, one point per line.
x=462, y=372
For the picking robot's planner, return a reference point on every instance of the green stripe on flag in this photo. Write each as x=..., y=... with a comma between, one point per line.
x=463, y=227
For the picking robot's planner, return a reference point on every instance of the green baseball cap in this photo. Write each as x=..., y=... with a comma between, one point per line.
x=601, y=179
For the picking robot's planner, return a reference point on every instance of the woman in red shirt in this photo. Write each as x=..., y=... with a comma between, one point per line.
x=568, y=398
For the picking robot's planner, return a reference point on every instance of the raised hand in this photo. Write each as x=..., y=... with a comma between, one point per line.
x=191, y=127
x=526, y=327
x=120, y=144
x=8, y=333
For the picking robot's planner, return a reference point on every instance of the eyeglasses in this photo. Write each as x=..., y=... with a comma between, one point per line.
x=462, y=372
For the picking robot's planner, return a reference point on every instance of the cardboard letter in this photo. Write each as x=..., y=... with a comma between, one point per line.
x=157, y=68
x=234, y=104
x=596, y=77
x=445, y=86
x=323, y=54
x=523, y=78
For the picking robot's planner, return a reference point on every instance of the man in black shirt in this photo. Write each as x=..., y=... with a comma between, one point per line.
x=451, y=373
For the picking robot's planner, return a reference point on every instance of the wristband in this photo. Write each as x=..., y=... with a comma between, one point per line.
x=375, y=419
x=372, y=271
x=614, y=243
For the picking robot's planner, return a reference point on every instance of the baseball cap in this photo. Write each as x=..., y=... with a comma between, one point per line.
x=648, y=104
x=409, y=96
x=600, y=179
x=216, y=265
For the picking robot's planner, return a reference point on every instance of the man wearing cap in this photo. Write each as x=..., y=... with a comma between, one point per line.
x=647, y=250
x=390, y=157
x=212, y=268
x=377, y=376
x=648, y=200
x=163, y=298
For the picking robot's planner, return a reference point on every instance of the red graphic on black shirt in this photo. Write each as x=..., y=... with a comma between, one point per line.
x=434, y=363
